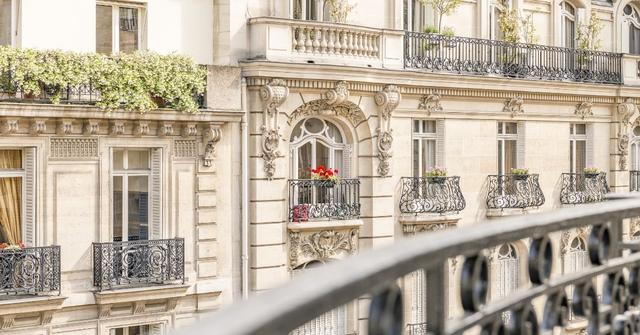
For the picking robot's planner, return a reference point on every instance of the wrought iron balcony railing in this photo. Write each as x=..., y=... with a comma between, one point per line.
x=436, y=52
x=514, y=191
x=30, y=271
x=580, y=188
x=311, y=199
x=136, y=263
x=431, y=195
x=634, y=181
x=537, y=308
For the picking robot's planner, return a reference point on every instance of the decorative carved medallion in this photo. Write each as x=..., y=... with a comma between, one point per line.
x=166, y=129
x=38, y=126
x=10, y=126
x=92, y=127
x=338, y=95
x=211, y=137
x=189, y=130
x=583, y=109
x=65, y=126
x=431, y=103
x=74, y=148
x=117, y=127
x=273, y=96
x=514, y=106
x=142, y=128
x=627, y=115
x=387, y=100
x=321, y=245
x=185, y=148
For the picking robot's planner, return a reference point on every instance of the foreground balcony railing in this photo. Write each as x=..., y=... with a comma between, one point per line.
x=311, y=199
x=137, y=263
x=580, y=188
x=537, y=308
x=634, y=181
x=435, y=52
x=30, y=271
x=514, y=191
x=431, y=195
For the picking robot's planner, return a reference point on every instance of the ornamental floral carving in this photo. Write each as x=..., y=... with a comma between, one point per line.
x=583, y=109
x=65, y=126
x=421, y=228
x=321, y=246
x=38, y=126
x=189, y=130
x=339, y=94
x=387, y=100
x=514, y=106
x=92, y=127
x=430, y=103
x=273, y=96
x=166, y=129
x=142, y=128
x=347, y=109
x=627, y=115
x=10, y=126
x=211, y=136
x=117, y=127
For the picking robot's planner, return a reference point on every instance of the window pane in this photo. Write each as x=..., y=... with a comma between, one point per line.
x=581, y=155
x=429, y=127
x=322, y=155
x=581, y=129
x=11, y=210
x=10, y=159
x=500, y=125
x=416, y=126
x=304, y=161
x=428, y=154
x=138, y=159
x=337, y=164
x=416, y=158
x=138, y=208
x=510, y=160
x=572, y=148
x=500, y=155
x=5, y=22
x=104, y=29
x=511, y=128
x=117, y=208
x=118, y=158
x=128, y=29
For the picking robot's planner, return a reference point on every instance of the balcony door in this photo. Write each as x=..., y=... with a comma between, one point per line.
x=631, y=28
x=318, y=142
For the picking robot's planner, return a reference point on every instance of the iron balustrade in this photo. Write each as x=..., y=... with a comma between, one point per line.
x=30, y=271
x=434, y=52
x=634, y=181
x=136, y=263
x=311, y=199
x=580, y=188
x=417, y=328
x=374, y=274
x=431, y=195
x=514, y=191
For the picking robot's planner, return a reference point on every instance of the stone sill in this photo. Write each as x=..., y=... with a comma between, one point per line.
x=322, y=225
x=30, y=304
x=155, y=292
x=506, y=212
x=429, y=218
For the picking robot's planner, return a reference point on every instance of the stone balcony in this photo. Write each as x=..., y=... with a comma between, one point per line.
x=316, y=42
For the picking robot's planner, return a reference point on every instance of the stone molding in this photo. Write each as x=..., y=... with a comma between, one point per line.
x=387, y=100
x=185, y=148
x=273, y=95
x=139, y=297
x=73, y=148
x=321, y=246
x=211, y=137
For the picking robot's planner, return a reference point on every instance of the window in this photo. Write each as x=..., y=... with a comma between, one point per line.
x=138, y=330
x=424, y=146
x=12, y=176
x=136, y=193
x=417, y=16
x=632, y=18
x=498, y=7
x=8, y=16
x=314, y=10
x=508, y=273
x=507, y=147
x=574, y=260
x=578, y=147
x=568, y=24
x=316, y=142
x=635, y=149
x=118, y=28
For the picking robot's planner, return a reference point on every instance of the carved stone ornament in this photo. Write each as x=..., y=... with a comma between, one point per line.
x=273, y=96
x=142, y=128
x=627, y=115
x=65, y=126
x=347, y=109
x=189, y=130
x=339, y=94
x=421, y=228
x=38, y=126
x=166, y=129
x=514, y=106
x=10, y=126
x=387, y=101
x=431, y=103
x=583, y=109
x=117, y=127
x=211, y=137
x=321, y=246
x=91, y=127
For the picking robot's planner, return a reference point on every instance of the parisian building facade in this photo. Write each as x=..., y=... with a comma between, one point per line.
x=142, y=223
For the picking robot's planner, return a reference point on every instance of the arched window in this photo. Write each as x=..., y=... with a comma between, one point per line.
x=417, y=322
x=316, y=142
x=497, y=8
x=333, y=322
x=575, y=257
x=632, y=20
x=508, y=270
x=635, y=149
x=568, y=24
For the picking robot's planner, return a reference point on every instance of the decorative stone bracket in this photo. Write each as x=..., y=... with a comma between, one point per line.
x=431, y=103
x=273, y=95
x=514, y=106
x=387, y=101
x=321, y=246
x=211, y=137
x=627, y=116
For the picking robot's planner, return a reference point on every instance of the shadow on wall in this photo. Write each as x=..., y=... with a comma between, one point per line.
x=481, y=212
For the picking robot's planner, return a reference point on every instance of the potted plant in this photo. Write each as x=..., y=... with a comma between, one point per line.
x=436, y=175
x=520, y=174
x=301, y=213
x=591, y=172
x=449, y=33
x=12, y=247
x=327, y=176
x=432, y=41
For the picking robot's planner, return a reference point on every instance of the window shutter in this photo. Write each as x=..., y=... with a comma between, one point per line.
x=520, y=145
x=156, y=329
x=346, y=164
x=29, y=237
x=440, y=159
x=155, y=204
x=589, y=145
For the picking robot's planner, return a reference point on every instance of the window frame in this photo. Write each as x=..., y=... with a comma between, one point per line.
x=633, y=22
x=125, y=173
x=566, y=15
x=313, y=139
x=420, y=135
x=22, y=174
x=574, y=137
x=115, y=23
x=14, y=19
x=408, y=16
x=503, y=137
x=494, y=27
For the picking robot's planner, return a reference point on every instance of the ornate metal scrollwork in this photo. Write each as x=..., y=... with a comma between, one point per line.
x=324, y=199
x=578, y=188
x=30, y=271
x=273, y=96
x=387, y=101
x=474, y=282
x=514, y=191
x=431, y=195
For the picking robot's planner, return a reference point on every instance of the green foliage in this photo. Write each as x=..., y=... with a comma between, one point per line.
x=339, y=10
x=130, y=81
x=523, y=171
x=431, y=30
x=442, y=8
x=589, y=33
x=448, y=31
x=517, y=29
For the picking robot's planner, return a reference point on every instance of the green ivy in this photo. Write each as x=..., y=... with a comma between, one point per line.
x=134, y=82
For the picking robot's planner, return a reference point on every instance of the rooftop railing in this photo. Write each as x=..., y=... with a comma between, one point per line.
x=434, y=52
x=30, y=271
x=514, y=191
x=581, y=188
x=431, y=195
x=375, y=274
